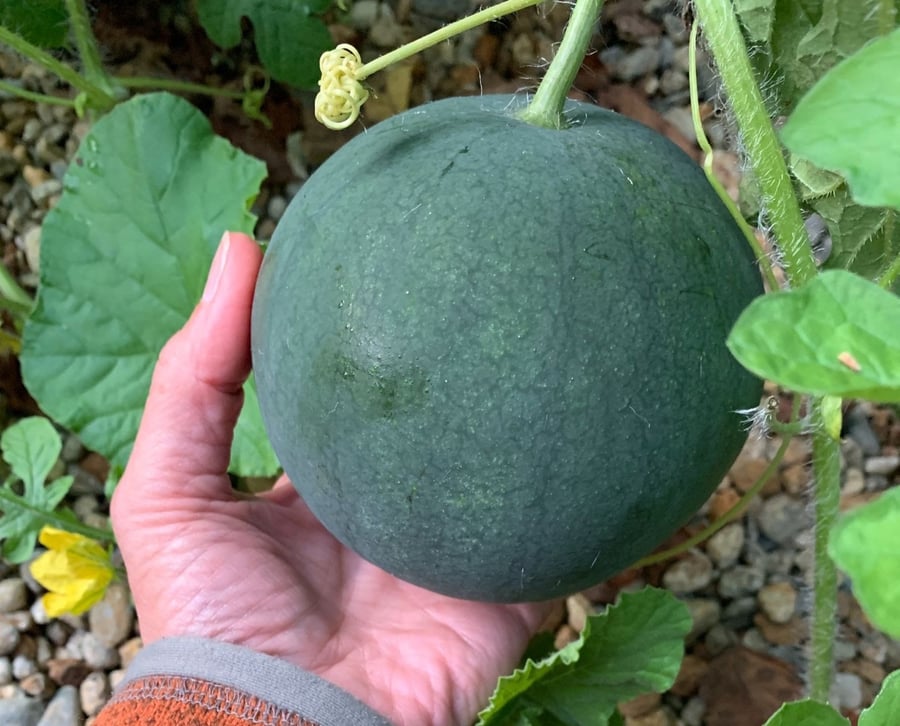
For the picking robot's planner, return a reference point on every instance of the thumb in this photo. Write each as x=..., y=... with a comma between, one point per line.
x=183, y=444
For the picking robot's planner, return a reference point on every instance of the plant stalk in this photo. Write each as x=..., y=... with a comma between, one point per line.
x=97, y=97
x=546, y=108
x=13, y=293
x=887, y=16
x=890, y=274
x=12, y=502
x=87, y=46
x=15, y=90
x=827, y=495
x=761, y=258
x=764, y=152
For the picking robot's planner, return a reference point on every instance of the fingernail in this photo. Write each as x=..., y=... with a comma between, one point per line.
x=217, y=268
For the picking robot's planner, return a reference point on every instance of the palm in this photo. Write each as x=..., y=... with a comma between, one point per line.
x=264, y=573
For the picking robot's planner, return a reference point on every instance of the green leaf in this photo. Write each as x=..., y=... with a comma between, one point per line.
x=865, y=544
x=124, y=257
x=634, y=647
x=864, y=239
x=42, y=22
x=31, y=448
x=289, y=36
x=835, y=336
x=886, y=706
x=806, y=713
x=756, y=16
x=848, y=123
x=809, y=37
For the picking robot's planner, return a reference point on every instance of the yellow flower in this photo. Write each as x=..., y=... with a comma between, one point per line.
x=76, y=570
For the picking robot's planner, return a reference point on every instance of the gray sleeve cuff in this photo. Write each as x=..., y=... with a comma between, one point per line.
x=271, y=679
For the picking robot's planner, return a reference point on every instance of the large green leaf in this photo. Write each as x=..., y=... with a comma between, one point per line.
x=886, y=706
x=835, y=336
x=289, y=35
x=806, y=713
x=866, y=545
x=42, y=22
x=31, y=448
x=124, y=256
x=850, y=123
x=635, y=647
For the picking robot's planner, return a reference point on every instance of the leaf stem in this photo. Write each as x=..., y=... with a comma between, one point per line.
x=15, y=90
x=761, y=258
x=87, y=46
x=547, y=105
x=13, y=292
x=98, y=97
x=733, y=513
x=11, y=500
x=764, y=152
x=441, y=34
x=890, y=274
x=827, y=490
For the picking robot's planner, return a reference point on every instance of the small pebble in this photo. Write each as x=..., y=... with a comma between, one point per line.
x=782, y=517
x=19, y=710
x=725, y=546
x=93, y=693
x=883, y=465
x=844, y=650
x=97, y=655
x=858, y=428
x=740, y=580
x=63, y=709
x=637, y=63
x=778, y=601
x=874, y=647
x=9, y=637
x=112, y=619
x=854, y=481
x=37, y=685
x=738, y=614
x=693, y=712
x=13, y=595
x=23, y=666
x=718, y=639
x=846, y=691
x=692, y=573
x=704, y=615
x=5, y=670
x=754, y=640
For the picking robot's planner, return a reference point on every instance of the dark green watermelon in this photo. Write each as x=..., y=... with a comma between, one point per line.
x=491, y=356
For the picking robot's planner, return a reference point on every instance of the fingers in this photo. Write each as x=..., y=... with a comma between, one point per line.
x=184, y=441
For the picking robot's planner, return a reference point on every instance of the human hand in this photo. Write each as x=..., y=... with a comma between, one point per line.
x=260, y=571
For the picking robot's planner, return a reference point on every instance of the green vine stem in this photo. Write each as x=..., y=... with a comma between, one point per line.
x=15, y=90
x=87, y=46
x=69, y=524
x=341, y=93
x=12, y=293
x=827, y=494
x=761, y=257
x=546, y=108
x=722, y=32
x=733, y=513
x=764, y=153
x=97, y=97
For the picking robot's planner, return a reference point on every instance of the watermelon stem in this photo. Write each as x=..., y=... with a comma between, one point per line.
x=546, y=108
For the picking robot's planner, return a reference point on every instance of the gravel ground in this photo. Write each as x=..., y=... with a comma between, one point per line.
x=746, y=587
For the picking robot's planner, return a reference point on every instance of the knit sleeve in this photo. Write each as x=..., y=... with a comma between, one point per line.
x=207, y=683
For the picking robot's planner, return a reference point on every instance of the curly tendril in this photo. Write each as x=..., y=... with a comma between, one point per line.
x=341, y=94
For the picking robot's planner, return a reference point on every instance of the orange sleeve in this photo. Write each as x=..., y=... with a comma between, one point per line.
x=165, y=700
x=186, y=681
